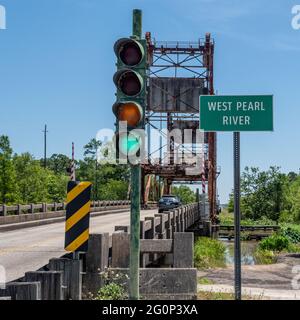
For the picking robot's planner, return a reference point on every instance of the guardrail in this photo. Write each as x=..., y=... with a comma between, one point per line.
x=257, y=232
x=251, y=228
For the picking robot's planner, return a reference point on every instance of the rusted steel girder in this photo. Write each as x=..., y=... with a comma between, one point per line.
x=212, y=136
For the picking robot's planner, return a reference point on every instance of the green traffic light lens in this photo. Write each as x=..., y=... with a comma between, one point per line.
x=129, y=144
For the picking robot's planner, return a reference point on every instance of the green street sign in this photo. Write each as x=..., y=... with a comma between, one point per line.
x=236, y=113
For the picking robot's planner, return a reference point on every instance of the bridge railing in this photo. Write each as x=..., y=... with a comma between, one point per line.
x=166, y=271
x=19, y=209
x=56, y=206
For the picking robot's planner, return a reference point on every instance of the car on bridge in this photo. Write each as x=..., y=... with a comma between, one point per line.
x=168, y=202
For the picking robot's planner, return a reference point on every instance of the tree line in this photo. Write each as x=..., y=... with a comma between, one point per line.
x=269, y=194
x=24, y=179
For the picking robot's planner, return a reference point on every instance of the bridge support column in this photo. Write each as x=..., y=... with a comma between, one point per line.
x=72, y=276
x=96, y=262
x=22, y=291
x=207, y=232
x=51, y=283
x=183, y=252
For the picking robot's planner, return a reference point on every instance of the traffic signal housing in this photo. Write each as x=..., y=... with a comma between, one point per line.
x=130, y=82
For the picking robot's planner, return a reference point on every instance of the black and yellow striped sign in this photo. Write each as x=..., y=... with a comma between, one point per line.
x=78, y=216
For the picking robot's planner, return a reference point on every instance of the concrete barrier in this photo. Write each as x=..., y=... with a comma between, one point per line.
x=22, y=291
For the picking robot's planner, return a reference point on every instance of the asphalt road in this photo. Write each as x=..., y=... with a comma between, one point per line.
x=31, y=248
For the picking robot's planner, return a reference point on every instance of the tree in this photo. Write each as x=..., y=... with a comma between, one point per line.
x=262, y=193
x=58, y=163
x=114, y=190
x=37, y=184
x=8, y=184
x=186, y=194
x=91, y=150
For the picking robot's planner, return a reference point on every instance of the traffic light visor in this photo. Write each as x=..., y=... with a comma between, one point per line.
x=129, y=51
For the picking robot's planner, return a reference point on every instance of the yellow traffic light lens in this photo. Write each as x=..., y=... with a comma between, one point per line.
x=130, y=53
x=129, y=83
x=131, y=113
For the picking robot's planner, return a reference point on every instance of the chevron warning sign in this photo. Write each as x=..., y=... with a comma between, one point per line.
x=77, y=216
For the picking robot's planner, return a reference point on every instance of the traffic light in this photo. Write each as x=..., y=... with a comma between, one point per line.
x=129, y=108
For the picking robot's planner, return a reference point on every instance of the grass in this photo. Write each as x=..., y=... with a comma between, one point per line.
x=209, y=295
x=204, y=280
x=209, y=253
x=265, y=256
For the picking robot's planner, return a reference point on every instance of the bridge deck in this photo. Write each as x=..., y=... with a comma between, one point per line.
x=31, y=248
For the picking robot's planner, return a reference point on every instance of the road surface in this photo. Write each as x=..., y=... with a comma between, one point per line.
x=31, y=248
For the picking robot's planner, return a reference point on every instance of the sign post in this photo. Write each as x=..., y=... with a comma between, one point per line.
x=237, y=216
x=236, y=113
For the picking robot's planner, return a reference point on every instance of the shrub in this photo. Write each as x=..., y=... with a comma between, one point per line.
x=115, y=288
x=264, y=256
x=291, y=232
x=111, y=291
x=275, y=242
x=209, y=253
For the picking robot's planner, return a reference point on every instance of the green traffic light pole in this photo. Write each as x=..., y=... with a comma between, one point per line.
x=134, y=262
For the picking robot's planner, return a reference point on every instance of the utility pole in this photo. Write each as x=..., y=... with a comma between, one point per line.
x=45, y=146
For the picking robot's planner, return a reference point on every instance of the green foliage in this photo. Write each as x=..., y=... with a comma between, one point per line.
x=8, y=187
x=211, y=295
x=291, y=232
x=291, y=212
x=286, y=240
x=58, y=163
x=204, y=280
x=37, y=184
x=109, y=181
x=115, y=287
x=228, y=219
x=262, y=193
x=264, y=256
x=24, y=179
x=245, y=235
x=275, y=242
x=270, y=194
x=114, y=190
x=209, y=253
x=111, y=291
x=186, y=194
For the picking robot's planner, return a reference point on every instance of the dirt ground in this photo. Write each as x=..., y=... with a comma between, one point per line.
x=274, y=276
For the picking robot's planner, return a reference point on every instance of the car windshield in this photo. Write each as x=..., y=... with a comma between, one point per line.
x=169, y=198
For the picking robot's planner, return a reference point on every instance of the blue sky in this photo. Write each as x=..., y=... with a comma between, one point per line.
x=57, y=62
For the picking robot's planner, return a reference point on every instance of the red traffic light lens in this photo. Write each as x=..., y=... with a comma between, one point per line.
x=129, y=83
x=131, y=113
x=130, y=53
